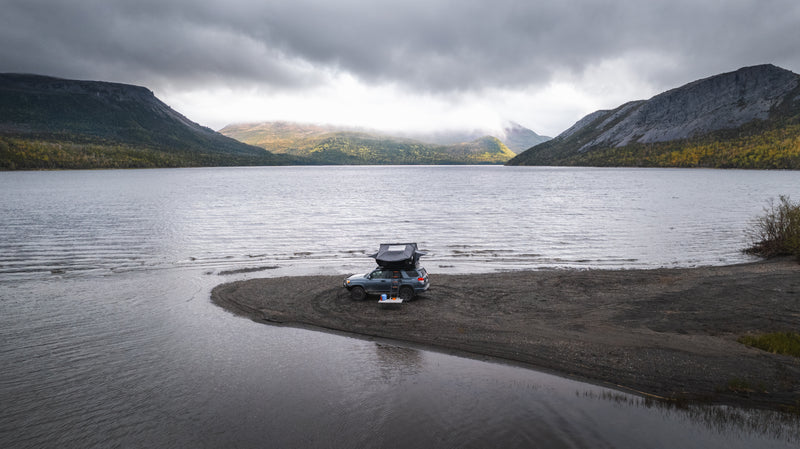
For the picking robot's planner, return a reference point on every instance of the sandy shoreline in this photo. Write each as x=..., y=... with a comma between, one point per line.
x=668, y=333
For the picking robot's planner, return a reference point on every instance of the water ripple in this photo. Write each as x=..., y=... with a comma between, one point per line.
x=107, y=337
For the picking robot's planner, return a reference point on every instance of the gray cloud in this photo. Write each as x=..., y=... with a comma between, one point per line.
x=437, y=46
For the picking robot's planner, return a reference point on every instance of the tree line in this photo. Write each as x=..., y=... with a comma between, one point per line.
x=34, y=154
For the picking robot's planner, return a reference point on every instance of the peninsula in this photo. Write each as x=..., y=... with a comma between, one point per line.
x=669, y=334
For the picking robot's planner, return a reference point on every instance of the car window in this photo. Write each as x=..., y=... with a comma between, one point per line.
x=412, y=273
x=377, y=274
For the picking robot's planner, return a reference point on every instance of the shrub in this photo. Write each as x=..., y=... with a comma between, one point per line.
x=777, y=232
x=787, y=343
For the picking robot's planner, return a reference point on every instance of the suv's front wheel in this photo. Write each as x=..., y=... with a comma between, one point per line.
x=357, y=293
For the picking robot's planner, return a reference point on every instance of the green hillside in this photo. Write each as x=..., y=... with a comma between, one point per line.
x=330, y=145
x=761, y=145
x=51, y=123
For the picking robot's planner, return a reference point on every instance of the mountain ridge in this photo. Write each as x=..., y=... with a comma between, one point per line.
x=740, y=112
x=49, y=122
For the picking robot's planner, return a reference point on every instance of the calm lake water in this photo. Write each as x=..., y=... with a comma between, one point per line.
x=108, y=337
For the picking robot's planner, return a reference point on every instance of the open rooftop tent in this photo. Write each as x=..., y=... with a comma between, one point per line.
x=397, y=254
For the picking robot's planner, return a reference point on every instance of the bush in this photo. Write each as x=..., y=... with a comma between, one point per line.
x=777, y=232
x=787, y=343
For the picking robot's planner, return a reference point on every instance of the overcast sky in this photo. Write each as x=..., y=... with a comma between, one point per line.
x=405, y=64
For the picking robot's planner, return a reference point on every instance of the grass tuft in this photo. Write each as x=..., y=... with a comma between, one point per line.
x=786, y=343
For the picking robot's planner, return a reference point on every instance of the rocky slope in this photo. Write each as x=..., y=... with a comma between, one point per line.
x=714, y=111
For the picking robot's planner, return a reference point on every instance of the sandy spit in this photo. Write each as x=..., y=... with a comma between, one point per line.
x=663, y=333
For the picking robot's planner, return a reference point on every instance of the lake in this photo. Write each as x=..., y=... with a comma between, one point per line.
x=108, y=337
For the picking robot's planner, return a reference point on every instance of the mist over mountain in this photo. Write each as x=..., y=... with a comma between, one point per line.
x=749, y=118
x=342, y=145
x=48, y=122
x=515, y=136
x=519, y=138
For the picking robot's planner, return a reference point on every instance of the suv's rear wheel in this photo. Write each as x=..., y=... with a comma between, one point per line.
x=357, y=293
x=406, y=293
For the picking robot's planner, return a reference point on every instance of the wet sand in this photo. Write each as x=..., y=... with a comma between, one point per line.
x=663, y=333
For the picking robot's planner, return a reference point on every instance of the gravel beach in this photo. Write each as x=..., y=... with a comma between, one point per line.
x=662, y=333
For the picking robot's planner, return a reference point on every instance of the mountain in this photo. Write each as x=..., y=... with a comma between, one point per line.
x=749, y=118
x=337, y=145
x=515, y=136
x=50, y=122
x=519, y=138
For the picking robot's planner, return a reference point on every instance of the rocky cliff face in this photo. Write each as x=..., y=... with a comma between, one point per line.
x=725, y=101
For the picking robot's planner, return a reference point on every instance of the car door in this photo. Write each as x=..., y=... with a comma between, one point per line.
x=379, y=281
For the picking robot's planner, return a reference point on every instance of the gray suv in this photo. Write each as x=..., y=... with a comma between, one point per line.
x=408, y=281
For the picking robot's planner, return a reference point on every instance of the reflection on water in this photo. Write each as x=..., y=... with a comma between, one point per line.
x=108, y=337
x=396, y=362
x=724, y=420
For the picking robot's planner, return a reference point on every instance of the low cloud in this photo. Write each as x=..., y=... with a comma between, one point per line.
x=439, y=48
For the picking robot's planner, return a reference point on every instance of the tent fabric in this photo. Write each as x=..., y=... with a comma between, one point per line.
x=397, y=253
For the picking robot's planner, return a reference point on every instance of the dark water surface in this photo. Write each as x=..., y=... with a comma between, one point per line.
x=108, y=338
